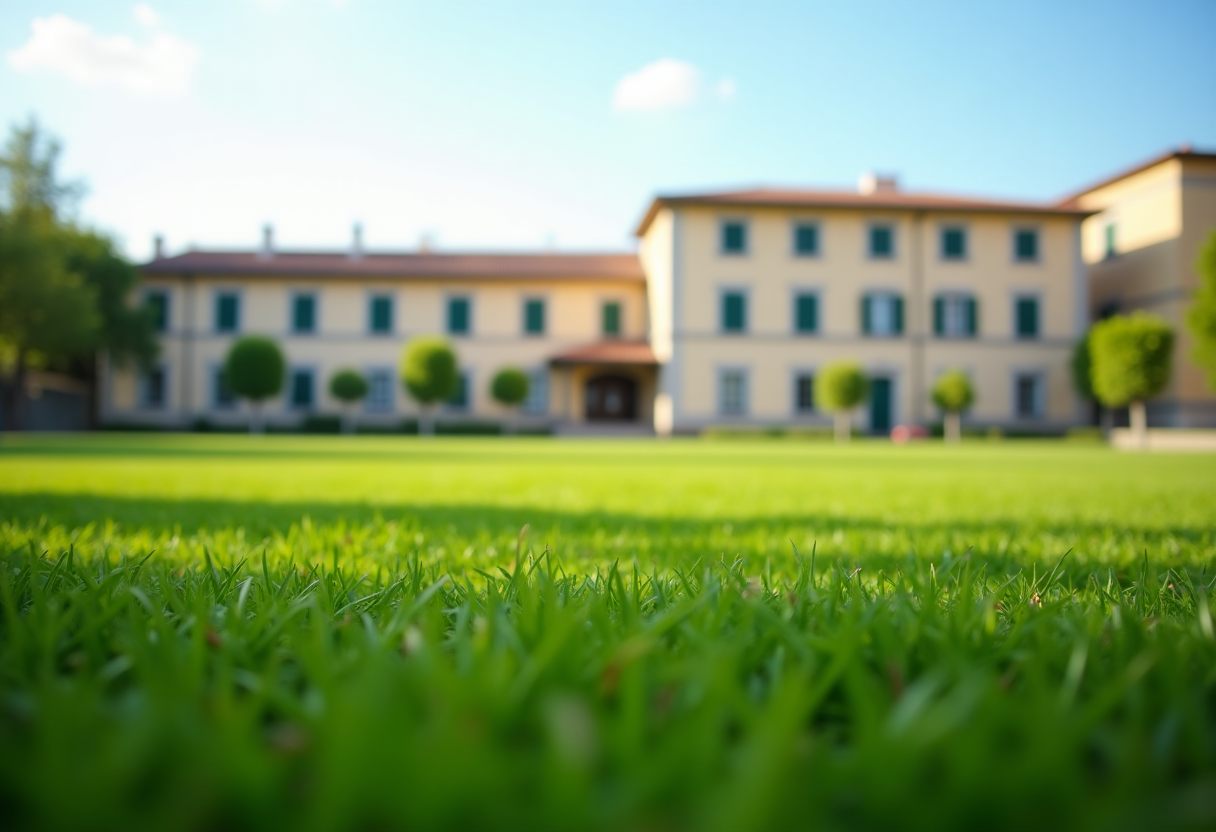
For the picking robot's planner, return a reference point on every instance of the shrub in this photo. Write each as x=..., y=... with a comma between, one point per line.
x=428, y=371
x=509, y=388
x=839, y=388
x=1201, y=317
x=348, y=386
x=254, y=370
x=953, y=393
x=1131, y=362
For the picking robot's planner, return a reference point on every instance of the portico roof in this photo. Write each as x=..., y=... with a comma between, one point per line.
x=608, y=352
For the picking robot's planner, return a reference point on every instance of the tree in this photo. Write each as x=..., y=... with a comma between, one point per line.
x=348, y=387
x=840, y=388
x=510, y=388
x=1201, y=317
x=428, y=371
x=953, y=393
x=254, y=370
x=1131, y=362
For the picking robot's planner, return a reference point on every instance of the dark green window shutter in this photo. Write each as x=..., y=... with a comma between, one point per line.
x=807, y=313
x=612, y=318
x=866, y=326
x=301, y=388
x=899, y=315
x=1026, y=245
x=734, y=238
x=227, y=313
x=806, y=240
x=304, y=313
x=458, y=316
x=734, y=312
x=939, y=316
x=972, y=316
x=1028, y=317
x=382, y=314
x=534, y=317
x=158, y=309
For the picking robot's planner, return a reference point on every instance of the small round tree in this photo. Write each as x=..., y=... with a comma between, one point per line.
x=254, y=370
x=1082, y=366
x=509, y=388
x=1131, y=362
x=840, y=388
x=953, y=393
x=428, y=371
x=1201, y=317
x=348, y=387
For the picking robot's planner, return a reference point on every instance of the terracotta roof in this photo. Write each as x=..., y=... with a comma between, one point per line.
x=899, y=200
x=1183, y=152
x=614, y=267
x=608, y=352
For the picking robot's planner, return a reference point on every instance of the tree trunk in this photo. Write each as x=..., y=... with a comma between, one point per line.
x=509, y=425
x=256, y=425
x=953, y=427
x=1139, y=423
x=842, y=420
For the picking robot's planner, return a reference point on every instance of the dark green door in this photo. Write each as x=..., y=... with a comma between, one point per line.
x=880, y=406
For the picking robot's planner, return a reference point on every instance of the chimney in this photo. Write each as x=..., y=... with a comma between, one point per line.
x=356, y=242
x=872, y=183
x=158, y=246
x=267, y=242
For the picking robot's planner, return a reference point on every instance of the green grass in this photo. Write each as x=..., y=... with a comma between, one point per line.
x=227, y=632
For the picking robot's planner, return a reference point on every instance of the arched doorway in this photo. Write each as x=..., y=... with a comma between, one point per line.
x=611, y=399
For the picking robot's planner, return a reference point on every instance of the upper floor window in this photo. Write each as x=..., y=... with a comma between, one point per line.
x=954, y=315
x=732, y=392
x=1109, y=232
x=459, y=317
x=610, y=314
x=1026, y=317
x=882, y=313
x=304, y=314
x=804, y=393
x=734, y=237
x=806, y=313
x=1025, y=245
x=157, y=303
x=954, y=243
x=301, y=391
x=227, y=312
x=379, y=390
x=806, y=239
x=882, y=242
x=380, y=314
x=155, y=388
x=734, y=311
x=534, y=316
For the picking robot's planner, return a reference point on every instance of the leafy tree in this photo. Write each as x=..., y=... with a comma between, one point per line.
x=1201, y=317
x=348, y=387
x=429, y=373
x=509, y=388
x=953, y=393
x=254, y=370
x=1131, y=362
x=840, y=388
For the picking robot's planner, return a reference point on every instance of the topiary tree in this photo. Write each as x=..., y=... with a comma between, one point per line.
x=1131, y=362
x=840, y=388
x=509, y=387
x=428, y=371
x=953, y=393
x=1201, y=317
x=254, y=370
x=348, y=387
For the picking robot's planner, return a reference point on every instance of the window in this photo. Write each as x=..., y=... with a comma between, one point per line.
x=734, y=237
x=1110, y=240
x=1028, y=395
x=1109, y=309
x=806, y=239
x=157, y=303
x=734, y=311
x=1025, y=245
x=458, y=316
x=611, y=319
x=537, y=403
x=460, y=399
x=1026, y=317
x=882, y=242
x=380, y=314
x=534, y=316
x=222, y=396
x=301, y=389
x=379, y=390
x=732, y=392
x=227, y=312
x=154, y=388
x=882, y=313
x=304, y=314
x=954, y=243
x=806, y=313
x=804, y=393
x=954, y=315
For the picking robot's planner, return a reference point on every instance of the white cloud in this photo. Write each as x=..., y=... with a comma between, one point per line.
x=59, y=44
x=664, y=84
x=145, y=15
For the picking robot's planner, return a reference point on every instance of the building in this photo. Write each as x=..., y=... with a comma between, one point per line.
x=1140, y=246
x=732, y=303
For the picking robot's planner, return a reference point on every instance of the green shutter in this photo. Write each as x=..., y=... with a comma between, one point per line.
x=382, y=315
x=1028, y=317
x=612, y=318
x=972, y=316
x=939, y=315
x=899, y=316
x=807, y=314
x=534, y=317
x=866, y=326
x=734, y=312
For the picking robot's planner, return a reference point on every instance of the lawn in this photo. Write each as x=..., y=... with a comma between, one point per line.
x=226, y=632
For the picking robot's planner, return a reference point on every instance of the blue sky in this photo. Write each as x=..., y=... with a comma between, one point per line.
x=496, y=125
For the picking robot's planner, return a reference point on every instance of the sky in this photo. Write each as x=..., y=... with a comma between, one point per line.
x=551, y=125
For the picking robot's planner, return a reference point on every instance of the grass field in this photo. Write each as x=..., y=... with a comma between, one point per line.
x=209, y=632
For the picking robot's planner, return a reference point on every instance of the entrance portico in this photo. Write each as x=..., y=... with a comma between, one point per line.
x=607, y=384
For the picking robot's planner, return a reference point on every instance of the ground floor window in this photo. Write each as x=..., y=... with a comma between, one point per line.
x=154, y=390
x=1028, y=395
x=379, y=390
x=804, y=393
x=537, y=403
x=222, y=397
x=460, y=398
x=302, y=394
x=732, y=392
